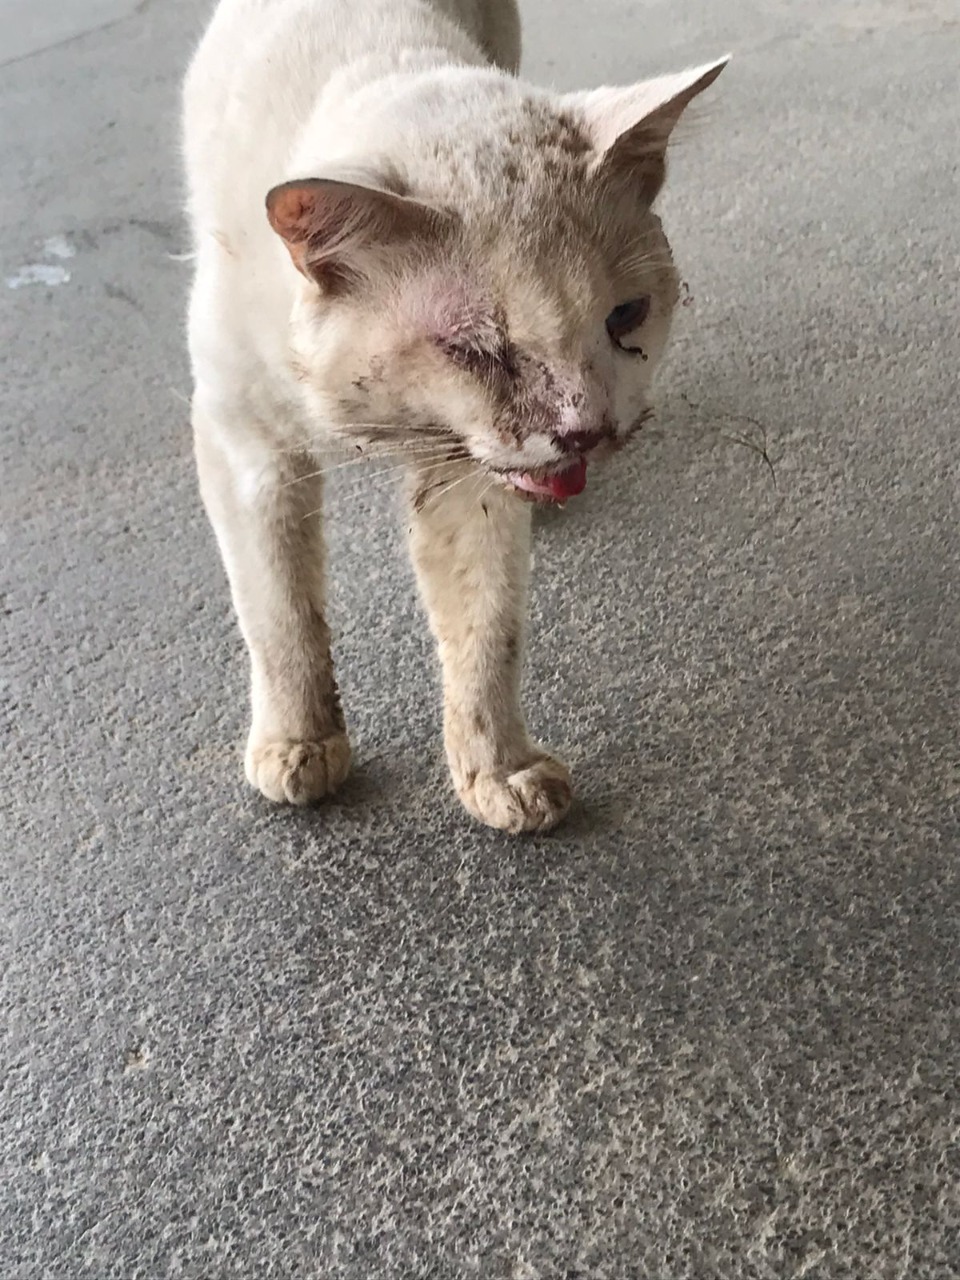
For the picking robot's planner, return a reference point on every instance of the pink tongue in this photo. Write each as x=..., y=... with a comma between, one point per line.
x=559, y=485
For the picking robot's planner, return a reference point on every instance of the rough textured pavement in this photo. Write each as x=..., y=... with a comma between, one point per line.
x=709, y=1030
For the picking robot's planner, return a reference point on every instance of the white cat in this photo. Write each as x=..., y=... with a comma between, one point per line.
x=453, y=267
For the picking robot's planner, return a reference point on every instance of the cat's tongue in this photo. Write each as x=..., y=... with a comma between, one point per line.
x=557, y=485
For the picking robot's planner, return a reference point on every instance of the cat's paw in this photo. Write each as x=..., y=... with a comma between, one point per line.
x=532, y=798
x=298, y=772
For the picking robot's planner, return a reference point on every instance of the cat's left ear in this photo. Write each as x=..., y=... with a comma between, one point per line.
x=629, y=128
x=335, y=229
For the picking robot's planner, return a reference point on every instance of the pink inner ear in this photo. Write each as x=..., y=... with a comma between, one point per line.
x=329, y=224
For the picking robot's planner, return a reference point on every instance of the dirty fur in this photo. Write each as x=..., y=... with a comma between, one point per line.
x=402, y=246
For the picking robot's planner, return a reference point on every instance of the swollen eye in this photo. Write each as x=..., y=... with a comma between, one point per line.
x=624, y=319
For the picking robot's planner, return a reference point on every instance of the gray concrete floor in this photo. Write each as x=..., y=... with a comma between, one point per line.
x=707, y=1030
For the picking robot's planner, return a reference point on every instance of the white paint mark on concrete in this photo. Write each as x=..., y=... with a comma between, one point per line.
x=37, y=273
x=59, y=247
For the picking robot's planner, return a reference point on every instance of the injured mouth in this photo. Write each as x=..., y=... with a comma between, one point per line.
x=551, y=486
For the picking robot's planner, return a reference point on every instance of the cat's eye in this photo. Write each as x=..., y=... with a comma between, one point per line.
x=623, y=320
x=485, y=362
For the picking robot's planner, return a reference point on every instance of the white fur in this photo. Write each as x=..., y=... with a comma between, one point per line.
x=421, y=97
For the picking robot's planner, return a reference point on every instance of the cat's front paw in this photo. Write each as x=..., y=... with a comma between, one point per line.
x=532, y=798
x=298, y=772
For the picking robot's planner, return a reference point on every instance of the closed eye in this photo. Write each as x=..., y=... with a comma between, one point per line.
x=480, y=360
x=623, y=320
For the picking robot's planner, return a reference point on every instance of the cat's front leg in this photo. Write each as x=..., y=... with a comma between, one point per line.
x=471, y=549
x=264, y=505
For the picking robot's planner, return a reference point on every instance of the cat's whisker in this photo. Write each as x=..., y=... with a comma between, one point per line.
x=367, y=460
x=334, y=442
x=422, y=467
x=392, y=431
x=485, y=489
x=634, y=261
x=399, y=457
x=437, y=455
x=336, y=455
x=419, y=471
x=453, y=484
x=388, y=474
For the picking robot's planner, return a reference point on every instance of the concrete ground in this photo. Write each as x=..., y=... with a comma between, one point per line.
x=707, y=1030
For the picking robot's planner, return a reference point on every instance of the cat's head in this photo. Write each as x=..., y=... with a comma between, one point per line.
x=496, y=289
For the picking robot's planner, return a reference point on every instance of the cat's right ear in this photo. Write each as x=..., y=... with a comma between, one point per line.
x=334, y=229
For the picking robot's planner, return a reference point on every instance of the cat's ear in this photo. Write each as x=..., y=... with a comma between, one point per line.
x=629, y=128
x=332, y=229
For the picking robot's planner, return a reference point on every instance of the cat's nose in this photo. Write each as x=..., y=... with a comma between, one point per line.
x=578, y=441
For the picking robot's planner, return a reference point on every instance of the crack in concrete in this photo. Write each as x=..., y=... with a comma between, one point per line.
x=137, y=11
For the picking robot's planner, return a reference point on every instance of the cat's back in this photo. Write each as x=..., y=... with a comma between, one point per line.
x=262, y=65
x=251, y=83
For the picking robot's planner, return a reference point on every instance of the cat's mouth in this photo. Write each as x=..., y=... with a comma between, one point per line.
x=558, y=483
x=549, y=486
